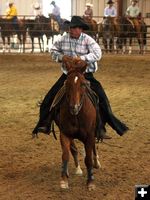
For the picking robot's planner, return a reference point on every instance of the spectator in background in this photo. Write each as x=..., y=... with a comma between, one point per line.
x=37, y=9
x=11, y=13
x=110, y=11
x=56, y=12
x=88, y=13
x=133, y=13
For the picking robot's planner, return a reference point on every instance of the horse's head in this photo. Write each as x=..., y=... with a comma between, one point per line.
x=107, y=28
x=107, y=23
x=75, y=85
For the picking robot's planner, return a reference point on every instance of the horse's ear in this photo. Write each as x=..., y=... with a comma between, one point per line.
x=68, y=65
x=67, y=60
x=81, y=66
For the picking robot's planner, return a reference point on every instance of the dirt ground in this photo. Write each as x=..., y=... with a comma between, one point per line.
x=30, y=168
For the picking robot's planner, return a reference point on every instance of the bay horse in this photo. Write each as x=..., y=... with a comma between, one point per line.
x=8, y=30
x=41, y=26
x=76, y=119
x=128, y=31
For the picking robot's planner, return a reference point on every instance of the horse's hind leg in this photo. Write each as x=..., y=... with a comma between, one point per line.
x=74, y=153
x=89, y=163
x=65, y=144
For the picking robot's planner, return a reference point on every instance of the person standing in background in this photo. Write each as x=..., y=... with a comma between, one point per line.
x=37, y=9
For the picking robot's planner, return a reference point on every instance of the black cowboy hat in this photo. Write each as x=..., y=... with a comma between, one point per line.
x=77, y=21
x=53, y=2
x=110, y=2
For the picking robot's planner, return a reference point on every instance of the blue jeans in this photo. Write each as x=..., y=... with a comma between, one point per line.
x=15, y=23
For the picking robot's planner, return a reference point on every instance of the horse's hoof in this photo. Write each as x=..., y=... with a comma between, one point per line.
x=79, y=171
x=91, y=186
x=64, y=184
x=97, y=165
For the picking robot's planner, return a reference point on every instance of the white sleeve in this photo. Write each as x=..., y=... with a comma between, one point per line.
x=106, y=12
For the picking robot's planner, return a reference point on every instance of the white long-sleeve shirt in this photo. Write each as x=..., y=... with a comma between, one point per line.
x=56, y=11
x=84, y=47
x=110, y=11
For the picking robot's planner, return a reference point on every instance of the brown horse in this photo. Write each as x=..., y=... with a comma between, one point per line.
x=93, y=27
x=76, y=119
x=129, y=31
x=8, y=30
x=41, y=26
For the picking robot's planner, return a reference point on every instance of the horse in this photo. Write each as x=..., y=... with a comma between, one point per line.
x=76, y=119
x=35, y=30
x=93, y=27
x=8, y=30
x=108, y=33
x=62, y=26
x=41, y=26
x=127, y=30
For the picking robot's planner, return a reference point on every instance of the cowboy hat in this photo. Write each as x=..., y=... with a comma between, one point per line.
x=110, y=2
x=53, y=2
x=36, y=5
x=89, y=4
x=11, y=2
x=77, y=21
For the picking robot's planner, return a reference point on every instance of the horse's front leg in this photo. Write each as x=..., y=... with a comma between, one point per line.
x=20, y=43
x=8, y=42
x=24, y=41
x=74, y=153
x=96, y=162
x=65, y=145
x=4, y=44
x=41, y=47
x=111, y=45
x=140, y=41
x=47, y=43
x=89, y=163
x=130, y=45
x=105, y=45
x=32, y=40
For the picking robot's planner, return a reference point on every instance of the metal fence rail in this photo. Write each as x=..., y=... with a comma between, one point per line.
x=28, y=45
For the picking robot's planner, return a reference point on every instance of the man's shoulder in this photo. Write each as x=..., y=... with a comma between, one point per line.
x=130, y=7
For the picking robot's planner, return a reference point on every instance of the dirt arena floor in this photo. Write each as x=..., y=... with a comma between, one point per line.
x=30, y=168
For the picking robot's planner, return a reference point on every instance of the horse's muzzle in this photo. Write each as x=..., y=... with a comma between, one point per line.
x=74, y=110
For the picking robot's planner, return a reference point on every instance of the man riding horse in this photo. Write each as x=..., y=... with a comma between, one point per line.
x=111, y=13
x=88, y=18
x=77, y=45
x=56, y=13
x=133, y=15
x=11, y=14
x=88, y=13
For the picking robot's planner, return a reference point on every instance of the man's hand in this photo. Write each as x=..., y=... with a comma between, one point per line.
x=76, y=59
x=66, y=58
